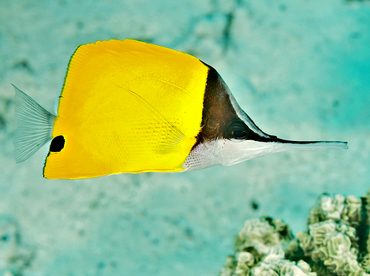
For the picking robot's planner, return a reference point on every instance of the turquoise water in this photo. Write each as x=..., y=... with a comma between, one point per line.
x=300, y=69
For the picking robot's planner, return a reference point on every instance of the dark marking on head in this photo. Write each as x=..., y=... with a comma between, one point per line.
x=218, y=111
x=219, y=118
x=57, y=144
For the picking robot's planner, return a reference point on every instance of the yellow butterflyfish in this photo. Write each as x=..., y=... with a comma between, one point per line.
x=130, y=107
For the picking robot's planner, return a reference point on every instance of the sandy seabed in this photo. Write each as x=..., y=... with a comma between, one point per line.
x=299, y=68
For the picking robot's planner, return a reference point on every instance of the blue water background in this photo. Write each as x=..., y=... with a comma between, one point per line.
x=299, y=68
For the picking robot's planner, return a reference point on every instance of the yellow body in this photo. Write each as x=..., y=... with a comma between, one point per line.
x=127, y=106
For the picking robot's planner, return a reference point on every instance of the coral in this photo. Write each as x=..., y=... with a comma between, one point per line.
x=261, y=247
x=336, y=208
x=275, y=264
x=335, y=243
x=260, y=235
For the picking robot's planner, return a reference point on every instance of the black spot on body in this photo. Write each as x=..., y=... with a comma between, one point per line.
x=57, y=144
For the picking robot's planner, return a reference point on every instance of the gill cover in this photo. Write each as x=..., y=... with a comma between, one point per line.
x=126, y=106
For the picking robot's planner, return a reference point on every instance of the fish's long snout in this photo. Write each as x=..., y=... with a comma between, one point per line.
x=272, y=144
x=308, y=145
x=235, y=152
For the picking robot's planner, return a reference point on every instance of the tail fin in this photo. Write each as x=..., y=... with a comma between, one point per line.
x=35, y=126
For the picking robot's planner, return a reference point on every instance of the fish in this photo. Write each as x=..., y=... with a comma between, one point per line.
x=130, y=107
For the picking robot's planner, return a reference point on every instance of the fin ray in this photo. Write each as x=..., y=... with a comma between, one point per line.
x=35, y=125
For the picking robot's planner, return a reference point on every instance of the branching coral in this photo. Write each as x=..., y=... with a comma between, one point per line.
x=336, y=242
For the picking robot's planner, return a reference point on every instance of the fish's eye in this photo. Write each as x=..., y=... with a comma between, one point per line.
x=237, y=130
x=57, y=144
